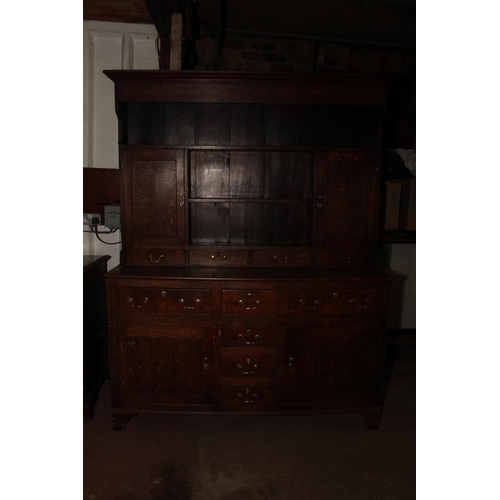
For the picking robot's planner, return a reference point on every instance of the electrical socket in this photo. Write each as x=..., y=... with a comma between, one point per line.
x=91, y=220
x=112, y=216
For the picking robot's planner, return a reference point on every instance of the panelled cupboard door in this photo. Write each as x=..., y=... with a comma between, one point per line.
x=153, y=208
x=166, y=364
x=346, y=188
x=329, y=365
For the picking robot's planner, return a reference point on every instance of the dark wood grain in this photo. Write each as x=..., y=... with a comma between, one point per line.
x=153, y=207
x=347, y=186
x=95, y=330
x=326, y=365
x=260, y=88
x=247, y=124
x=211, y=124
x=250, y=215
x=169, y=123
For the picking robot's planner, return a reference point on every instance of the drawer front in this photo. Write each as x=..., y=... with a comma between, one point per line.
x=218, y=257
x=156, y=300
x=259, y=336
x=334, y=301
x=156, y=257
x=247, y=397
x=344, y=258
x=250, y=301
x=281, y=258
x=245, y=364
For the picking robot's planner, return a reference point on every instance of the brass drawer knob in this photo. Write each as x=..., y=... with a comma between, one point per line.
x=152, y=259
x=250, y=297
x=360, y=305
x=196, y=302
x=218, y=257
x=282, y=260
x=130, y=300
x=248, y=364
x=303, y=303
x=246, y=396
x=247, y=337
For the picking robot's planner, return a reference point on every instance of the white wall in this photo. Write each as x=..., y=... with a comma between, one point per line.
x=399, y=260
x=108, y=46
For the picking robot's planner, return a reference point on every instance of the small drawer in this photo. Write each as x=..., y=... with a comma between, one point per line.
x=334, y=301
x=362, y=301
x=343, y=258
x=242, y=363
x=155, y=257
x=280, y=258
x=250, y=301
x=218, y=257
x=247, y=397
x=249, y=337
x=157, y=300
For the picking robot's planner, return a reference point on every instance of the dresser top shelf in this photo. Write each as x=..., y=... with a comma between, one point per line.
x=227, y=86
x=246, y=273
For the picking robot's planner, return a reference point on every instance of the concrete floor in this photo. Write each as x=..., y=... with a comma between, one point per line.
x=322, y=457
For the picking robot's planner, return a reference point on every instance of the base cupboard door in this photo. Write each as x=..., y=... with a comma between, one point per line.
x=329, y=365
x=166, y=364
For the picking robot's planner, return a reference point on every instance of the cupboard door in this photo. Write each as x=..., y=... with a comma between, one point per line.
x=166, y=364
x=153, y=208
x=346, y=188
x=329, y=365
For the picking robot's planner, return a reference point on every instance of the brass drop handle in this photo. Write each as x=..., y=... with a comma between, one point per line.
x=130, y=300
x=205, y=363
x=291, y=363
x=282, y=261
x=218, y=257
x=152, y=259
x=319, y=202
x=362, y=306
x=181, y=201
x=247, y=396
x=250, y=297
x=316, y=304
x=240, y=366
x=248, y=342
x=196, y=302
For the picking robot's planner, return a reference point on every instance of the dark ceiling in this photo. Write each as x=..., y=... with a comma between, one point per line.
x=383, y=23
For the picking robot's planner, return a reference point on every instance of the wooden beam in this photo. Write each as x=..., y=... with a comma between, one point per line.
x=161, y=13
x=118, y=11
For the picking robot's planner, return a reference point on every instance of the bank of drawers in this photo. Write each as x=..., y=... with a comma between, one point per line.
x=260, y=302
x=249, y=339
x=313, y=302
x=168, y=301
x=248, y=366
x=250, y=302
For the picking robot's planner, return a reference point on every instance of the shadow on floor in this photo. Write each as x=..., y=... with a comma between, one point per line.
x=320, y=457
